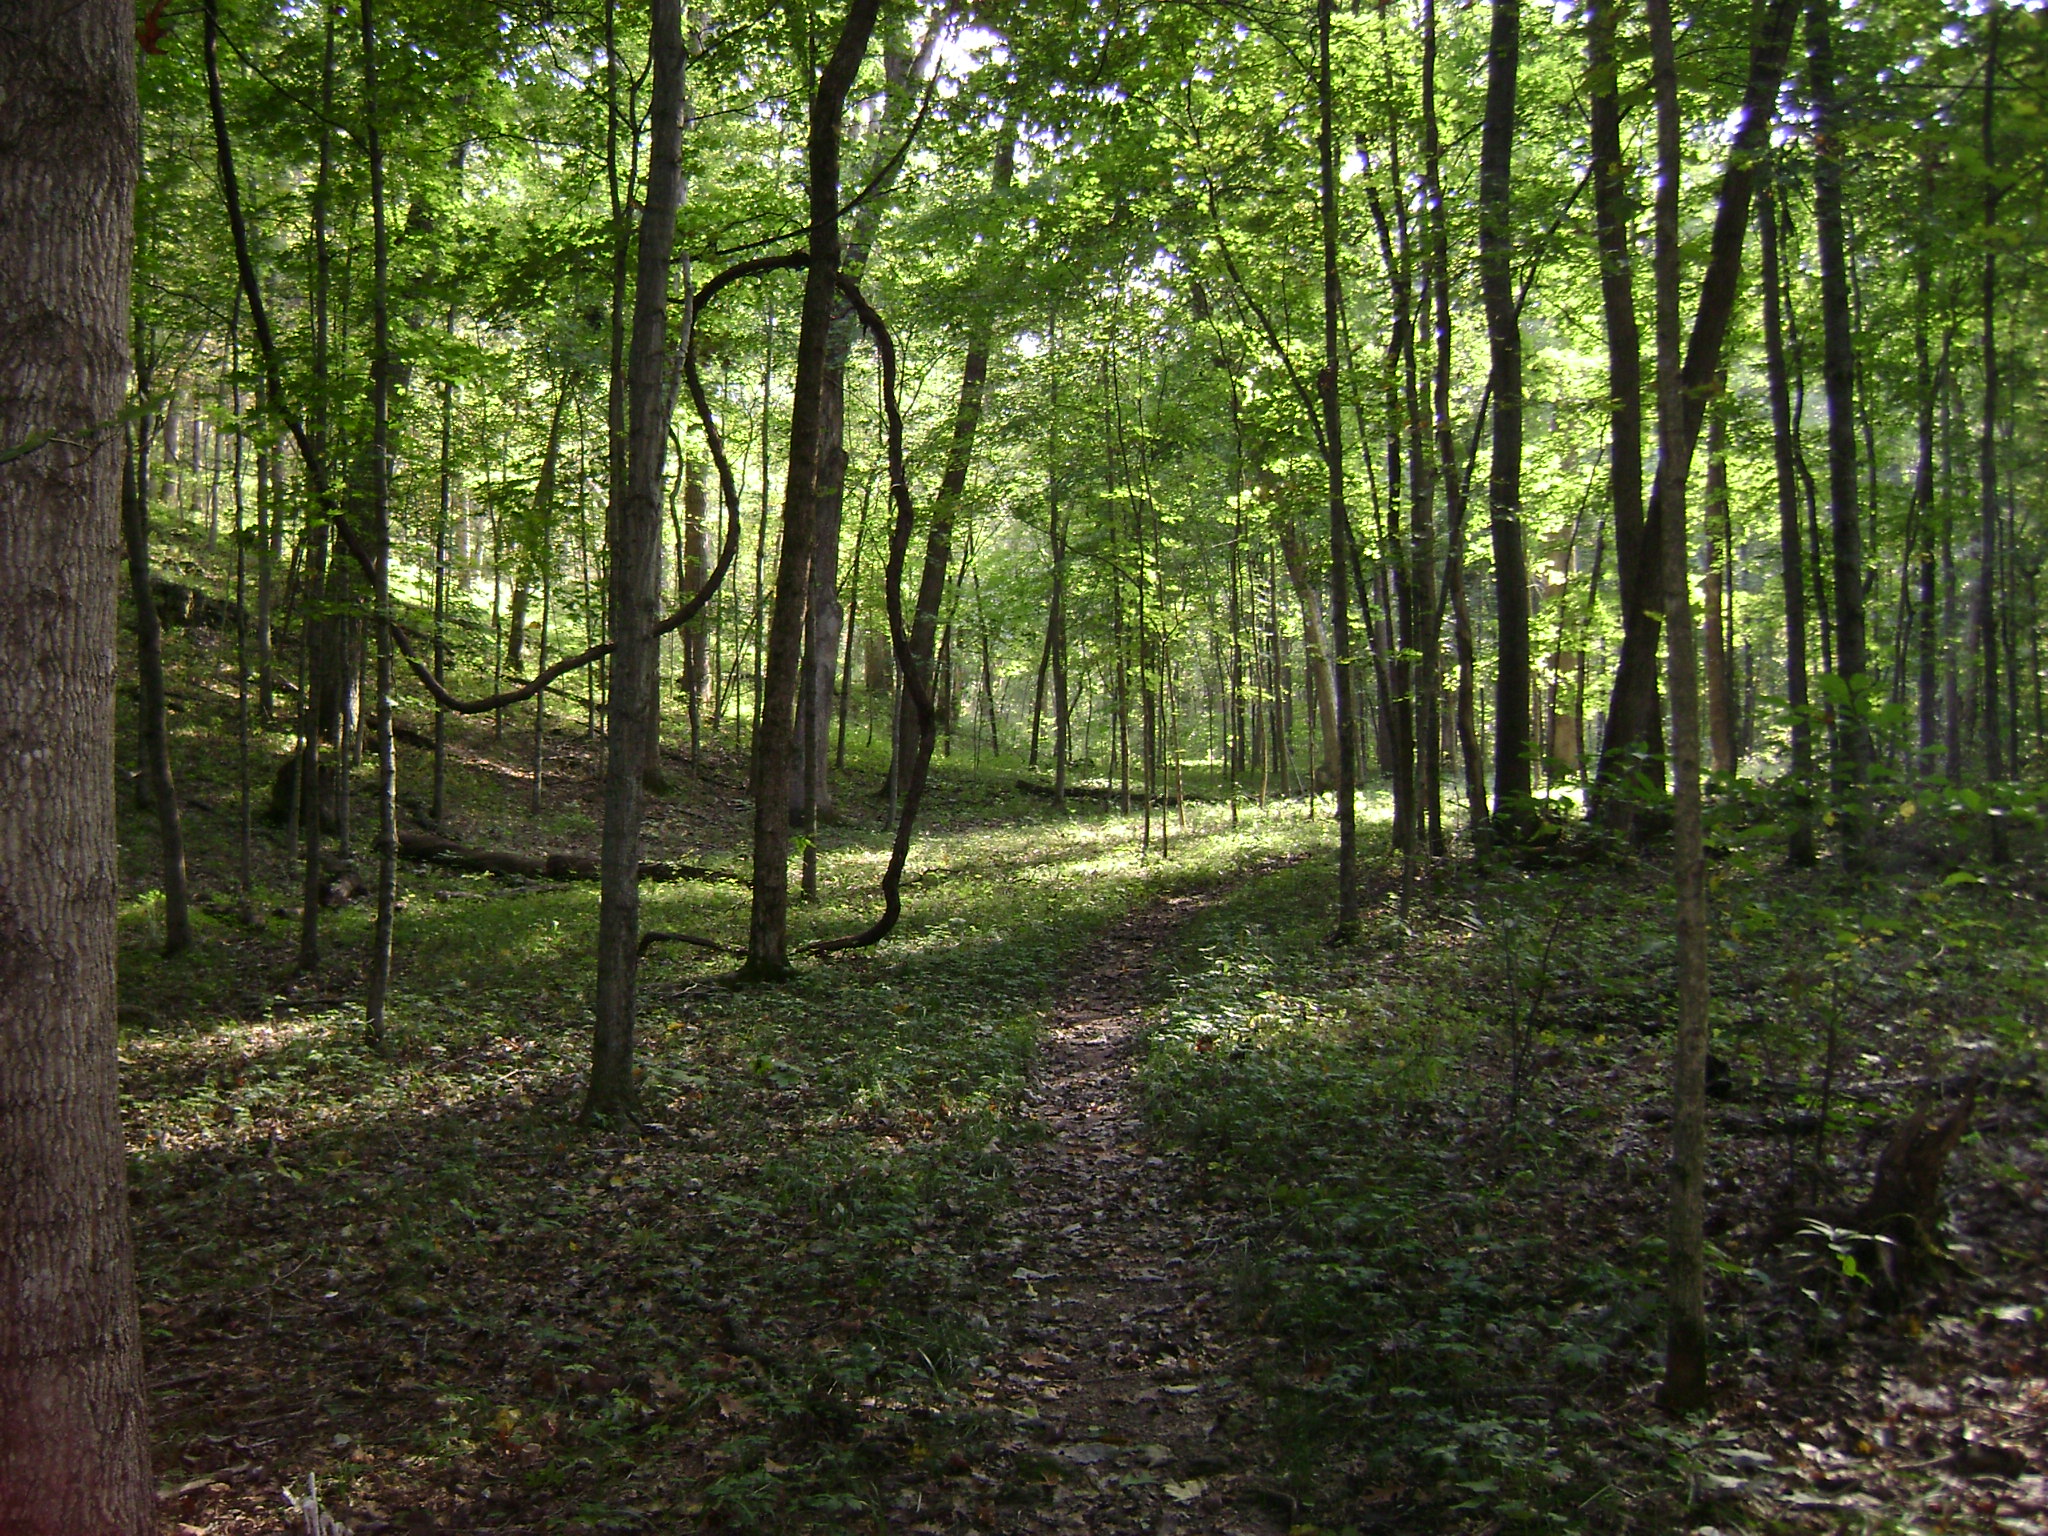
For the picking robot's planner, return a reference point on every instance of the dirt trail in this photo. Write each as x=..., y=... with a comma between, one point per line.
x=1115, y=1364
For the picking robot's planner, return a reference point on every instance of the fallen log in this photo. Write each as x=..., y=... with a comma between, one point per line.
x=433, y=848
x=1106, y=792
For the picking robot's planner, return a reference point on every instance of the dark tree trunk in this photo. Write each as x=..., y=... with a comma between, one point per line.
x=1682, y=394
x=151, y=718
x=1719, y=642
x=696, y=634
x=382, y=935
x=1638, y=549
x=74, y=1454
x=1984, y=618
x=635, y=541
x=775, y=727
x=1514, y=811
x=1799, y=848
x=443, y=506
x=1928, y=384
x=1449, y=468
x=1340, y=519
x=938, y=552
x=825, y=621
x=1838, y=374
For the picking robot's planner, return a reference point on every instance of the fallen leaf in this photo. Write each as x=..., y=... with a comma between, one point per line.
x=1086, y=1453
x=1187, y=1492
x=737, y=1409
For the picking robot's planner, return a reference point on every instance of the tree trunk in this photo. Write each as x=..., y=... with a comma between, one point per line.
x=1316, y=641
x=1449, y=472
x=1682, y=394
x=774, y=729
x=696, y=563
x=635, y=539
x=1514, y=811
x=1799, y=849
x=1984, y=619
x=382, y=935
x=442, y=508
x=1719, y=642
x=151, y=718
x=1340, y=516
x=1838, y=373
x=1620, y=786
x=1927, y=384
x=74, y=1454
x=825, y=620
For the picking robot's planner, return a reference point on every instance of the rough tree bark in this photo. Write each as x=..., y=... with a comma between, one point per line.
x=74, y=1456
x=635, y=539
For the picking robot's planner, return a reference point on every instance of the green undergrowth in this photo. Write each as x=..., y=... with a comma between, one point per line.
x=1445, y=1148
x=411, y=1271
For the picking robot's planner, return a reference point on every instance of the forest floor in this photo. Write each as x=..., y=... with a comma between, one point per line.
x=1107, y=1197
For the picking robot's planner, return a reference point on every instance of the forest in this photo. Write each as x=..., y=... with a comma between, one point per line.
x=1162, y=766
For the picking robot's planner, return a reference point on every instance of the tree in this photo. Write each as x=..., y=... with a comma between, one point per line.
x=635, y=539
x=1340, y=516
x=1514, y=808
x=73, y=1455
x=775, y=729
x=1683, y=391
x=1838, y=373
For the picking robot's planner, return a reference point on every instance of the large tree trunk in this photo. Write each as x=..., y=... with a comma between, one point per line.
x=775, y=726
x=151, y=718
x=74, y=1455
x=635, y=540
x=1799, y=849
x=1514, y=810
x=1838, y=374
